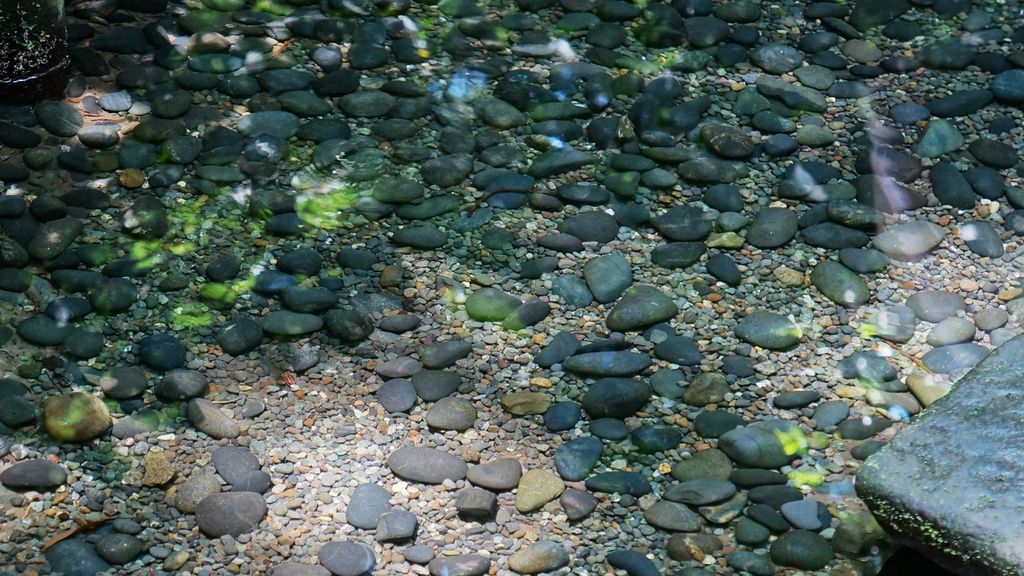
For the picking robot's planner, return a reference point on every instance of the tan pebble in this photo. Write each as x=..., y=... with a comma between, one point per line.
x=1010, y=294
x=850, y=392
x=969, y=285
x=470, y=454
x=540, y=382
x=724, y=240
x=788, y=276
x=523, y=403
x=158, y=469
x=927, y=388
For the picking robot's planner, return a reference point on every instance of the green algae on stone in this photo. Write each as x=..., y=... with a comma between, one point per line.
x=768, y=444
x=75, y=417
x=191, y=315
x=491, y=305
x=218, y=296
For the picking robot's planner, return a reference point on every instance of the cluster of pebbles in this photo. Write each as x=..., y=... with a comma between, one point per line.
x=459, y=288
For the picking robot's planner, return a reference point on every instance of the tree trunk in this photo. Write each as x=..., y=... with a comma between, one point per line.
x=34, y=61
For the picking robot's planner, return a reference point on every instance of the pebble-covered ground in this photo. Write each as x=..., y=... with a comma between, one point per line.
x=491, y=287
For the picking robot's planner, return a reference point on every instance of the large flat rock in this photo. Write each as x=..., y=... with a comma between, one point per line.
x=949, y=485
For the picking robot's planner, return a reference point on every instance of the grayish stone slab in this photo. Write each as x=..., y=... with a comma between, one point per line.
x=949, y=484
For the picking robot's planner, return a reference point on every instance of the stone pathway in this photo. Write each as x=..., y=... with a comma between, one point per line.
x=351, y=287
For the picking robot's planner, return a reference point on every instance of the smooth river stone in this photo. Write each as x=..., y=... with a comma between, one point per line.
x=639, y=307
x=615, y=397
x=768, y=444
x=909, y=241
x=768, y=330
x=909, y=483
x=541, y=557
x=840, y=284
x=233, y=513
x=426, y=465
x=37, y=474
x=76, y=417
x=607, y=363
x=347, y=558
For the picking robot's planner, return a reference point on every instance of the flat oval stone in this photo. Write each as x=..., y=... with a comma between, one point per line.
x=607, y=363
x=397, y=395
x=181, y=384
x=500, y=475
x=653, y=439
x=396, y=526
x=294, y=569
x=672, y=516
x=75, y=556
x=840, y=284
x=706, y=464
x=802, y=549
x=367, y=503
x=701, y=492
x=451, y=413
x=464, y=565
x=445, y=354
x=540, y=557
x=426, y=465
x=955, y=357
x=233, y=513
x=525, y=402
x=194, y=490
x=536, y=488
x=425, y=237
x=208, y=418
x=773, y=227
x=491, y=304
x=576, y=458
x=615, y=397
x=768, y=330
x=347, y=558
x=37, y=474
x=59, y=118
x=634, y=563
x=234, y=463
x=617, y=482
x=935, y=305
x=432, y=385
x=591, y=226
x=909, y=241
x=639, y=307
x=758, y=446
